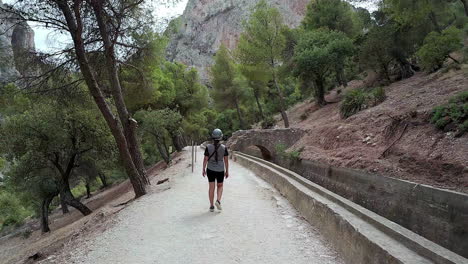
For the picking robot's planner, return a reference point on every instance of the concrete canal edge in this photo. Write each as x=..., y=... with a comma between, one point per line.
x=359, y=235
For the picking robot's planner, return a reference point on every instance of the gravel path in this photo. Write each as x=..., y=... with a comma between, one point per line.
x=175, y=226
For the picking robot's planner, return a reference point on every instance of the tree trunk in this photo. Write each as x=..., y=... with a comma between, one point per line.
x=166, y=149
x=405, y=69
x=162, y=149
x=257, y=99
x=465, y=5
x=282, y=106
x=239, y=114
x=433, y=18
x=64, y=206
x=183, y=139
x=88, y=190
x=76, y=29
x=452, y=58
x=45, y=213
x=341, y=77
x=73, y=202
x=129, y=124
x=320, y=92
x=385, y=71
x=176, y=141
x=103, y=178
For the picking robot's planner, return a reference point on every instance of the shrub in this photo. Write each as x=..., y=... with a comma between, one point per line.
x=359, y=99
x=79, y=190
x=452, y=116
x=438, y=46
x=378, y=95
x=353, y=102
x=26, y=234
x=268, y=122
x=280, y=149
x=12, y=213
x=295, y=155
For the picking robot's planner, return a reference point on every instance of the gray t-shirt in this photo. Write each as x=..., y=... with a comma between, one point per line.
x=213, y=163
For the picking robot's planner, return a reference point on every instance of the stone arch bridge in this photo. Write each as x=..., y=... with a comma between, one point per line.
x=264, y=142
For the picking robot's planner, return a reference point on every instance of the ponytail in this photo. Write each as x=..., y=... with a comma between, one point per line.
x=216, y=145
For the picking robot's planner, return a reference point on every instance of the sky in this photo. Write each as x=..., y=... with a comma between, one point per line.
x=49, y=41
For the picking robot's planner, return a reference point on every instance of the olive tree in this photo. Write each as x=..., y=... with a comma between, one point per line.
x=317, y=55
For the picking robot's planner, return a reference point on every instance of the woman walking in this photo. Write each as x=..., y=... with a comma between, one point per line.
x=216, y=158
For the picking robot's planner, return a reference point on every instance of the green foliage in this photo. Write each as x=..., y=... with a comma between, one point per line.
x=12, y=212
x=159, y=126
x=406, y=24
x=47, y=134
x=229, y=86
x=359, y=99
x=438, y=46
x=452, y=116
x=335, y=15
x=262, y=42
x=280, y=148
x=228, y=122
x=364, y=17
x=295, y=155
x=263, y=46
x=292, y=156
x=79, y=190
x=378, y=95
x=3, y=164
x=376, y=50
x=268, y=122
x=174, y=27
x=318, y=54
x=117, y=175
x=436, y=13
x=353, y=102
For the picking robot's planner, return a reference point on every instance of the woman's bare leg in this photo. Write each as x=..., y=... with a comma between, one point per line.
x=211, y=193
x=219, y=191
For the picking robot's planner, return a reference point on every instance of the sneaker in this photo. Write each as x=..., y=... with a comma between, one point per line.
x=211, y=208
x=218, y=205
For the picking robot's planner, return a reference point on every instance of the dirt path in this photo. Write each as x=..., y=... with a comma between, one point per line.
x=175, y=226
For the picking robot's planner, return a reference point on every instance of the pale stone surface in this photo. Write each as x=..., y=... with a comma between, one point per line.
x=257, y=226
x=208, y=23
x=15, y=38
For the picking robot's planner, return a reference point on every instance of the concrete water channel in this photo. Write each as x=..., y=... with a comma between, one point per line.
x=358, y=234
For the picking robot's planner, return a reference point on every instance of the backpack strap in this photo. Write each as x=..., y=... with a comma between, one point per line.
x=215, y=150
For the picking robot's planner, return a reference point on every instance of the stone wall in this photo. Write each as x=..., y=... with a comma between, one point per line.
x=360, y=235
x=266, y=140
x=439, y=215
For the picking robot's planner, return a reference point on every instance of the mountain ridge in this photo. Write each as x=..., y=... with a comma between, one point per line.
x=206, y=24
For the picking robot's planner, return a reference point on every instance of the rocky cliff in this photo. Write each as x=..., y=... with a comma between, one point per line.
x=205, y=24
x=16, y=39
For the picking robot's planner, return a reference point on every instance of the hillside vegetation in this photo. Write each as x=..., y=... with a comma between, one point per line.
x=395, y=138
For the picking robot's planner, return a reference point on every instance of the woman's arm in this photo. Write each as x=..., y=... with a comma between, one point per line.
x=226, y=165
x=205, y=161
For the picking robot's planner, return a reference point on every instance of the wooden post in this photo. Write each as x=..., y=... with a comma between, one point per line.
x=192, y=157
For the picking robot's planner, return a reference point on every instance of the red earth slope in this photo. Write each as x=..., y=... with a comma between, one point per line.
x=423, y=154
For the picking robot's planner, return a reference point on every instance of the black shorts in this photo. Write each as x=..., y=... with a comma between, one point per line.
x=215, y=175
